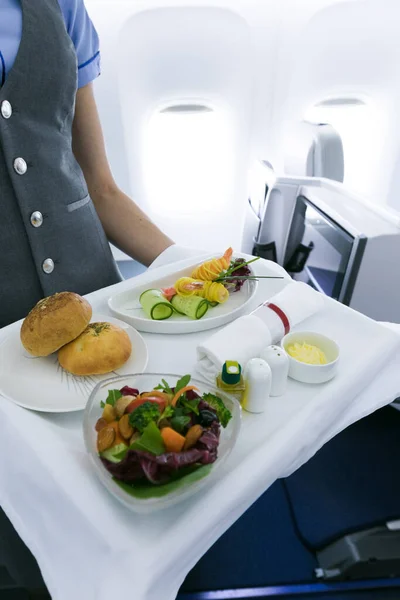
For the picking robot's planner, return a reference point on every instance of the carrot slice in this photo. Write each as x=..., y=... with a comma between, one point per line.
x=187, y=388
x=156, y=394
x=173, y=441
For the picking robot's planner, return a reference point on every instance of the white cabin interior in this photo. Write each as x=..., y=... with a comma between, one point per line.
x=193, y=95
x=272, y=127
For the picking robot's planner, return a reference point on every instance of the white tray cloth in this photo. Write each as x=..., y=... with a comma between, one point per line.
x=89, y=546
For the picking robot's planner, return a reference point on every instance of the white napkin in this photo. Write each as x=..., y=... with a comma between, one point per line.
x=248, y=336
x=296, y=302
x=241, y=340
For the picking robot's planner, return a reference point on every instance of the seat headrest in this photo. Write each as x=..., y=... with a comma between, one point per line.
x=314, y=150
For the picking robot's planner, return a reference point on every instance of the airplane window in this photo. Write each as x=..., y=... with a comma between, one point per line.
x=362, y=131
x=188, y=166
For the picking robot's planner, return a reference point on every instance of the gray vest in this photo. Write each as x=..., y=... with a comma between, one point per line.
x=51, y=238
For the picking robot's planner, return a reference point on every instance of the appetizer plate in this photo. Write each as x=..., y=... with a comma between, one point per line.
x=147, y=498
x=126, y=306
x=41, y=384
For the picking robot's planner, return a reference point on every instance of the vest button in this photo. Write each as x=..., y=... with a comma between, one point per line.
x=6, y=109
x=48, y=266
x=36, y=219
x=20, y=166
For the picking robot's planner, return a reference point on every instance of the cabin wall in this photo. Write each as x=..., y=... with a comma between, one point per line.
x=346, y=72
x=265, y=63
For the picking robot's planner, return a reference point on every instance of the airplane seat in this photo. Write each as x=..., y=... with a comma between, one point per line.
x=314, y=150
x=311, y=150
x=286, y=537
x=342, y=499
x=344, y=72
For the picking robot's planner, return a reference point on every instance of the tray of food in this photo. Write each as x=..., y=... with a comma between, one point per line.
x=155, y=439
x=196, y=298
x=62, y=350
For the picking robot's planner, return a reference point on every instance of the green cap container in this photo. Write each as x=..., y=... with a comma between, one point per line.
x=231, y=372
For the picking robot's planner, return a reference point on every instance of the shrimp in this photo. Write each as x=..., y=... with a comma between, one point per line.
x=169, y=293
x=187, y=286
x=210, y=270
x=210, y=290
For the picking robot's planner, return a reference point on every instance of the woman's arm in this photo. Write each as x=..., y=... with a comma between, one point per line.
x=125, y=224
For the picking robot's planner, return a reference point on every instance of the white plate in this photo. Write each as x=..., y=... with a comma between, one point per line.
x=126, y=306
x=42, y=384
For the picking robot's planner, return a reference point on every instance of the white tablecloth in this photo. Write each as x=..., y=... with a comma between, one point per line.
x=90, y=547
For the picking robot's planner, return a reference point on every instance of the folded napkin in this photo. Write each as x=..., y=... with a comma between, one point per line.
x=248, y=336
x=295, y=303
x=241, y=340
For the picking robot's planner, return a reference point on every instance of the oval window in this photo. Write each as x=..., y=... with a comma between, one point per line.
x=188, y=161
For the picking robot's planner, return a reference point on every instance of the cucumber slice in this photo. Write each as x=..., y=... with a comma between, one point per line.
x=111, y=453
x=191, y=306
x=160, y=311
x=149, y=292
x=202, y=309
x=155, y=305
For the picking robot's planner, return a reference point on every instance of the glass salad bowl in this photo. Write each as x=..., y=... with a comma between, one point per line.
x=141, y=495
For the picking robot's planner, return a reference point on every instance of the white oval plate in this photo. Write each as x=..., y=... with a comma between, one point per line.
x=42, y=384
x=126, y=306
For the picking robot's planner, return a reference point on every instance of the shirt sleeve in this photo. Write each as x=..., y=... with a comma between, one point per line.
x=85, y=39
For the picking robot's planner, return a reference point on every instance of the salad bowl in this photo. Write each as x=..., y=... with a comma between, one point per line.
x=144, y=496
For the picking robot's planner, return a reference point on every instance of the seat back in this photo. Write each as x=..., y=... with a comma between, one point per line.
x=314, y=150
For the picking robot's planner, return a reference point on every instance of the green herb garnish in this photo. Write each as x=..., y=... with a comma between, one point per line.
x=228, y=272
x=223, y=414
x=191, y=405
x=113, y=396
x=97, y=328
x=164, y=387
x=180, y=421
x=181, y=383
x=229, y=275
x=167, y=414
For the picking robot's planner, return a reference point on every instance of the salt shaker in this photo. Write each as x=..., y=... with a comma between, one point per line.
x=277, y=359
x=258, y=380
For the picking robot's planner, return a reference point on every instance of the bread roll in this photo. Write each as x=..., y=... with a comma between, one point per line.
x=101, y=348
x=54, y=322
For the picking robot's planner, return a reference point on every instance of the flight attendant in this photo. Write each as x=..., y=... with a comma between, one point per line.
x=59, y=202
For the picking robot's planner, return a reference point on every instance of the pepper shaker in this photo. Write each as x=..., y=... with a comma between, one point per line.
x=277, y=359
x=258, y=380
